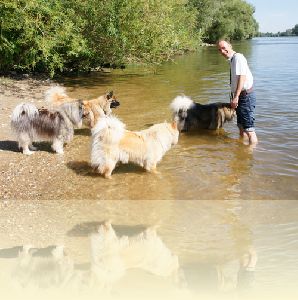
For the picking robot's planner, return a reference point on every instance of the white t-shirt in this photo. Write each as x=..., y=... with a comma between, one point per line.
x=239, y=66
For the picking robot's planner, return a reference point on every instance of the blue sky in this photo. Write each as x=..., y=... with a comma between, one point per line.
x=275, y=15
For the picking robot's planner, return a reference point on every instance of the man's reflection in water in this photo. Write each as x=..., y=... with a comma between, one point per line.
x=238, y=278
x=246, y=273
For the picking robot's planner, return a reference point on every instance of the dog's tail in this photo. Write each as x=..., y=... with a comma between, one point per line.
x=56, y=95
x=181, y=103
x=23, y=111
x=109, y=130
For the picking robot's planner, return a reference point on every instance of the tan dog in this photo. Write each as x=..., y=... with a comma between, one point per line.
x=57, y=95
x=94, y=113
x=111, y=144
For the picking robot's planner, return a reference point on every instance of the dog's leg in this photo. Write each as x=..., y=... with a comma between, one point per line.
x=215, y=117
x=57, y=145
x=107, y=169
x=24, y=142
x=80, y=124
x=107, y=172
x=26, y=150
x=107, y=176
x=151, y=167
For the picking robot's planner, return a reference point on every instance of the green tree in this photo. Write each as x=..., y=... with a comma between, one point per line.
x=37, y=35
x=232, y=19
x=59, y=35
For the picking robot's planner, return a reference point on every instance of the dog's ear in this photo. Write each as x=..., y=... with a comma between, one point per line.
x=110, y=94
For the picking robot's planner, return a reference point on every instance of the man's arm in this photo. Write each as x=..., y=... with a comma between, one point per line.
x=240, y=84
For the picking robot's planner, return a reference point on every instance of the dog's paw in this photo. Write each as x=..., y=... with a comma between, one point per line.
x=152, y=170
x=28, y=152
x=59, y=151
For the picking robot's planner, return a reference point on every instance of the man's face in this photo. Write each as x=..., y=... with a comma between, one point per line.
x=225, y=49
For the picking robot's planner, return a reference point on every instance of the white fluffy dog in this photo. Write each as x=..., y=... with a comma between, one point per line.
x=31, y=124
x=112, y=143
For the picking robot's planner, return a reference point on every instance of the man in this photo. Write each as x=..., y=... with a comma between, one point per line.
x=243, y=97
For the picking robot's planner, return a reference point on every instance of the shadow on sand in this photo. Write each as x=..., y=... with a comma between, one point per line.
x=9, y=146
x=83, y=168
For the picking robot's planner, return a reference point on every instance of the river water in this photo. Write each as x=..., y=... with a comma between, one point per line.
x=210, y=238
x=205, y=165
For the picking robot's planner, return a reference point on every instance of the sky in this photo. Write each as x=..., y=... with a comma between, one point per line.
x=275, y=15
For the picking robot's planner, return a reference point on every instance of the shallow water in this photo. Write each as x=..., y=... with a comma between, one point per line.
x=206, y=165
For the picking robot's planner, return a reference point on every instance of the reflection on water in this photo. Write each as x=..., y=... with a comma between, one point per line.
x=181, y=249
x=111, y=257
x=49, y=268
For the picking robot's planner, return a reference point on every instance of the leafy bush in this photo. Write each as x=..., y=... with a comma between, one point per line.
x=59, y=35
x=231, y=19
x=38, y=35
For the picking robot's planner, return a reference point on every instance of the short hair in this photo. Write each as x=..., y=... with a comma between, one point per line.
x=224, y=39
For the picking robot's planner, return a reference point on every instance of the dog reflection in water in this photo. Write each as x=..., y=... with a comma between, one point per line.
x=43, y=267
x=111, y=257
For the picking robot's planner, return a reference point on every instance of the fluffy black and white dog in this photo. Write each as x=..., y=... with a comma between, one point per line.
x=31, y=124
x=190, y=115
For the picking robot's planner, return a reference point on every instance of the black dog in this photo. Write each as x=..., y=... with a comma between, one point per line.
x=190, y=115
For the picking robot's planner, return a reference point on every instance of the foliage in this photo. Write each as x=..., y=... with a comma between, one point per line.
x=38, y=35
x=232, y=19
x=60, y=35
x=122, y=31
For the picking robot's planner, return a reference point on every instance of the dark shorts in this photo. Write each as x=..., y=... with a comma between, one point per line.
x=246, y=111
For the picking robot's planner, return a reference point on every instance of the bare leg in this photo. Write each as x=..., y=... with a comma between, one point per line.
x=252, y=137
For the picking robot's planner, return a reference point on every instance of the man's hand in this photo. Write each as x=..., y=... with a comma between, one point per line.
x=234, y=102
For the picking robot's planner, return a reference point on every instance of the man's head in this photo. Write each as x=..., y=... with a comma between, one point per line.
x=225, y=48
